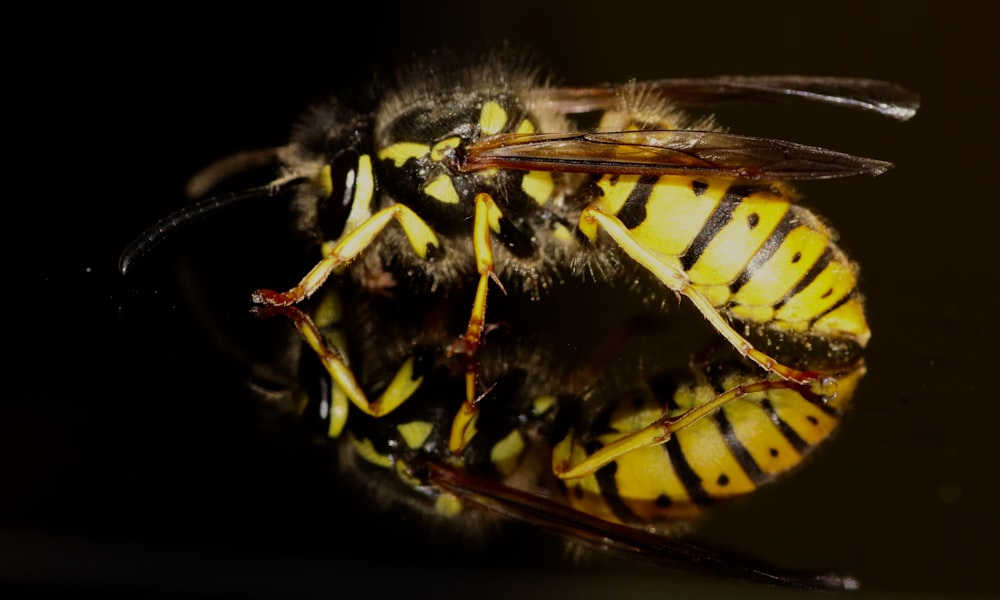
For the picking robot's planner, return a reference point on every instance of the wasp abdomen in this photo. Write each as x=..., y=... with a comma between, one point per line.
x=745, y=247
x=744, y=444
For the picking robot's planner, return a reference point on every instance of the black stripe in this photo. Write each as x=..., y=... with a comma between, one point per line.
x=719, y=218
x=609, y=492
x=843, y=300
x=774, y=241
x=813, y=272
x=738, y=450
x=664, y=386
x=633, y=212
x=786, y=430
x=821, y=402
x=690, y=479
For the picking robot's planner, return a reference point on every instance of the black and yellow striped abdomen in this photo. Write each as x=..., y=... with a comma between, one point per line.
x=746, y=247
x=744, y=444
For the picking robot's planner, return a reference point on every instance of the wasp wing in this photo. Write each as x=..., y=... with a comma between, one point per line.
x=521, y=506
x=883, y=97
x=665, y=152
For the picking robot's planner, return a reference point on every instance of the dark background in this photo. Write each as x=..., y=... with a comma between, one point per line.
x=134, y=461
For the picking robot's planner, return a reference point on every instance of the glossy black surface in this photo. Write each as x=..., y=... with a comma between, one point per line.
x=133, y=459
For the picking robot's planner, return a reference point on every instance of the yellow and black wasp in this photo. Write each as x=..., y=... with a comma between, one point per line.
x=553, y=405
x=486, y=173
x=462, y=175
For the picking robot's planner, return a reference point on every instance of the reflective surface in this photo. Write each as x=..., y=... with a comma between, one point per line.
x=134, y=458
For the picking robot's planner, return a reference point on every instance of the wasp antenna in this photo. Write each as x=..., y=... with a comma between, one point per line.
x=204, y=181
x=144, y=243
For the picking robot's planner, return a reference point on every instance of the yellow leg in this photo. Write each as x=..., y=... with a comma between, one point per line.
x=421, y=238
x=417, y=231
x=662, y=429
x=677, y=280
x=468, y=344
x=403, y=385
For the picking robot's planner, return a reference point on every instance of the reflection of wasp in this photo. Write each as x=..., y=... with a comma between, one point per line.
x=733, y=429
x=461, y=158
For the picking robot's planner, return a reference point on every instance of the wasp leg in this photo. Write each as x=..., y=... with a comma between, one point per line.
x=403, y=385
x=677, y=280
x=463, y=427
x=661, y=430
x=420, y=234
x=327, y=318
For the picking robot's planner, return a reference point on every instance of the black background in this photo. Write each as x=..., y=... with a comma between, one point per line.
x=134, y=461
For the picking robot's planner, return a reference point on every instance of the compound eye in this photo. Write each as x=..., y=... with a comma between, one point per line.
x=333, y=209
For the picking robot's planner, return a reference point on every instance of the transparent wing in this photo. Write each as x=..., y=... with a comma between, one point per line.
x=665, y=152
x=548, y=514
x=883, y=97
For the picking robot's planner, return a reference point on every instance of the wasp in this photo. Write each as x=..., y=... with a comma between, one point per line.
x=486, y=173
x=732, y=427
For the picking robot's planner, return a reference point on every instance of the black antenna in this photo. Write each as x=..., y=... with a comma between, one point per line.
x=145, y=242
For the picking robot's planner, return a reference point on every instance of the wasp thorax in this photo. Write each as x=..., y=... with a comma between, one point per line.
x=419, y=151
x=579, y=213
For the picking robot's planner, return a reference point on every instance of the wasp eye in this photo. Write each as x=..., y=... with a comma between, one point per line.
x=332, y=210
